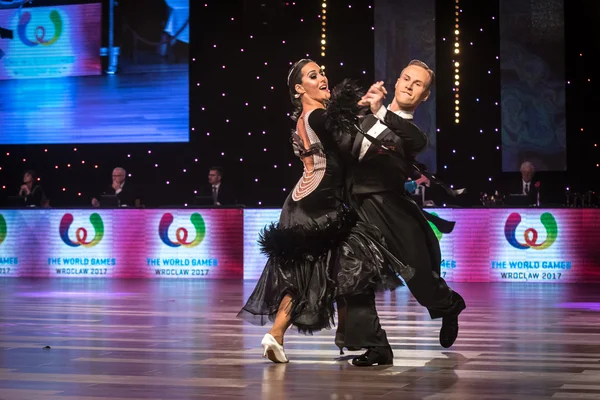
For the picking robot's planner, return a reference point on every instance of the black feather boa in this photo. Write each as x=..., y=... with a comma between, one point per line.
x=343, y=109
x=307, y=242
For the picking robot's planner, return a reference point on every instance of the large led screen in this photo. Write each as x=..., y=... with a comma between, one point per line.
x=184, y=243
x=55, y=88
x=492, y=245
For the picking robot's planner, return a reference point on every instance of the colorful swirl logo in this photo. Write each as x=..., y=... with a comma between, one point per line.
x=181, y=233
x=531, y=235
x=3, y=229
x=81, y=233
x=437, y=232
x=40, y=31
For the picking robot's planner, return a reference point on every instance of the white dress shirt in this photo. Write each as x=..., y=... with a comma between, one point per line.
x=379, y=127
x=526, y=186
x=216, y=187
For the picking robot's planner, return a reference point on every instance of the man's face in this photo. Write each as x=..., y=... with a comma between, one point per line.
x=118, y=176
x=412, y=88
x=214, y=177
x=527, y=174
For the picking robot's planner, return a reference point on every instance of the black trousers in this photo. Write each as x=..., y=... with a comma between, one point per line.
x=410, y=238
x=362, y=322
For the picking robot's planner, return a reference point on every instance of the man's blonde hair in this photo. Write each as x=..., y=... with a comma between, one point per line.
x=421, y=64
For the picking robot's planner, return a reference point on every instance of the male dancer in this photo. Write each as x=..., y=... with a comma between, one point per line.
x=385, y=160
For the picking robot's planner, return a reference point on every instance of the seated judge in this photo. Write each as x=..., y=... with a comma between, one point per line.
x=125, y=192
x=221, y=193
x=31, y=191
x=527, y=185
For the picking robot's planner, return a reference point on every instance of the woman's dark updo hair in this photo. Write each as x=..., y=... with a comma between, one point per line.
x=295, y=78
x=33, y=175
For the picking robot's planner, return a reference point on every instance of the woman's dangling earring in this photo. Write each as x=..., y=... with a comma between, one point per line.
x=297, y=95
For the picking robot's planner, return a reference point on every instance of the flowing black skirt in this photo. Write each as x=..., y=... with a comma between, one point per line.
x=314, y=264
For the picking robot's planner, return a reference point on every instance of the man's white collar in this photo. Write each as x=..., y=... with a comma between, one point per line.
x=403, y=114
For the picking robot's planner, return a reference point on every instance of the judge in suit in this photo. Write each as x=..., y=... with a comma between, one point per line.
x=527, y=185
x=125, y=193
x=31, y=191
x=376, y=184
x=222, y=194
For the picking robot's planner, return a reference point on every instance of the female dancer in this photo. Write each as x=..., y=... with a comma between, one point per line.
x=318, y=251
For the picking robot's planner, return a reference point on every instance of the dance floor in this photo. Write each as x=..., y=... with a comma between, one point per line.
x=179, y=339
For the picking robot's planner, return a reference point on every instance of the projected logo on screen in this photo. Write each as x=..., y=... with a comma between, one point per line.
x=40, y=31
x=81, y=234
x=531, y=235
x=181, y=234
x=437, y=232
x=2, y=228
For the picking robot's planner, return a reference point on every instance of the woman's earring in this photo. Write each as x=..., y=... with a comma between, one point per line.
x=297, y=95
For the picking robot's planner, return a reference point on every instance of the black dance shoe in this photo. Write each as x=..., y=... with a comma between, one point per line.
x=449, y=331
x=339, y=342
x=375, y=356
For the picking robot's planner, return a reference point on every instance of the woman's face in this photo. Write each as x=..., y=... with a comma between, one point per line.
x=27, y=178
x=314, y=83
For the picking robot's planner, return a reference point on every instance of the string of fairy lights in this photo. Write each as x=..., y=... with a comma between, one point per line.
x=456, y=62
x=323, y=28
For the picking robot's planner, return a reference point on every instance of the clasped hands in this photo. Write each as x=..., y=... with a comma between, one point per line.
x=24, y=190
x=374, y=97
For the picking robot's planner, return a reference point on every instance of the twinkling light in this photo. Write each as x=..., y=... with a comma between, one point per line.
x=324, y=28
x=456, y=61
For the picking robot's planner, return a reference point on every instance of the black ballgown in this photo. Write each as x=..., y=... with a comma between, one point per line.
x=319, y=250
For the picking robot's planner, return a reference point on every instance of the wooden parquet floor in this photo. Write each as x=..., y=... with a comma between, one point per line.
x=177, y=339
